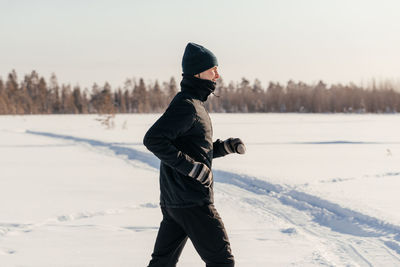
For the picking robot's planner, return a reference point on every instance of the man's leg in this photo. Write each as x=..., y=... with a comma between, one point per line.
x=170, y=242
x=207, y=232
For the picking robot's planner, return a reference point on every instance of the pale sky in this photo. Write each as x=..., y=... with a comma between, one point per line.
x=84, y=41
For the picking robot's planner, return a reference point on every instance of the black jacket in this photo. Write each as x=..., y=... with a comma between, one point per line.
x=181, y=137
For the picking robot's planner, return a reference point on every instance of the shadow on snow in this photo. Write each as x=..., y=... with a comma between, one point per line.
x=325, y=213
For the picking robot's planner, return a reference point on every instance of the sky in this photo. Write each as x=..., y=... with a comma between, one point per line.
x=84, y=41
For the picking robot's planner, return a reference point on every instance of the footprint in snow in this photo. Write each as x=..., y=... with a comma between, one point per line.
x=289, y=231
x=140, y=228
x=7, y=251
x=149, y=205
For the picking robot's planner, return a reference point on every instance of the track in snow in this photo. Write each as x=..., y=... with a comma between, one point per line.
x=369, y=241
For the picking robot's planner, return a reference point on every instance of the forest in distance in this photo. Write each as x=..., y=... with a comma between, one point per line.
x=34, y=95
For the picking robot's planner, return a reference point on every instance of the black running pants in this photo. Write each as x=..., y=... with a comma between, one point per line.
x=203, y=226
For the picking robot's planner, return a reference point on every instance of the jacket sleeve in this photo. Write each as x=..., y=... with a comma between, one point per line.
x=176, y=120
x=218, y=149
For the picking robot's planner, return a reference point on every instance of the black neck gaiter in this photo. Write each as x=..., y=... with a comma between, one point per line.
x=198, y=88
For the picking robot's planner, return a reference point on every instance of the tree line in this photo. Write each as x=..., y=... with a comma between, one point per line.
x=34, y=95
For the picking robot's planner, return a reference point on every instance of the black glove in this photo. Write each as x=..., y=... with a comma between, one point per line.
x=234, y=145
x=201, y=173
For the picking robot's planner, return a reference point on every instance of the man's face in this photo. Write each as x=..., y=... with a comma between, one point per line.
x=210, y=74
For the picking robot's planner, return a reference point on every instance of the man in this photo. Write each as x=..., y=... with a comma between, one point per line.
x=182, y=139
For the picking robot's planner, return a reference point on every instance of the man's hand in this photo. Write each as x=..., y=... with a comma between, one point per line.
x=201, y=173
x=234, y=145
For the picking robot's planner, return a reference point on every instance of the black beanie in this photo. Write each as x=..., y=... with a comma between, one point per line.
x=197, y=59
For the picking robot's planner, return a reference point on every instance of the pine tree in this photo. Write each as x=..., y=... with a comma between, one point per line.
x=77, y=100
x=54, y=95
x=141, y=98
x=11, y=89
x=106, y=100
x=3, y=99
x=44, y=107
x=67, y=101
x=156, y=96
x=172, y=89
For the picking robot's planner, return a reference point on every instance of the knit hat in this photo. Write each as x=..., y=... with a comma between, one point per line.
x=197, y=59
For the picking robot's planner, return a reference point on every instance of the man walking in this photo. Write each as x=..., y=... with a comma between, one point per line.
x=182, y=139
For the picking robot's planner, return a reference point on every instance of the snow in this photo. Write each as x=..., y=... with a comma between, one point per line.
x=311, y=190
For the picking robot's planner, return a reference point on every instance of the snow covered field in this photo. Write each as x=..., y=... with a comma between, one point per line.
x=312, y=190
